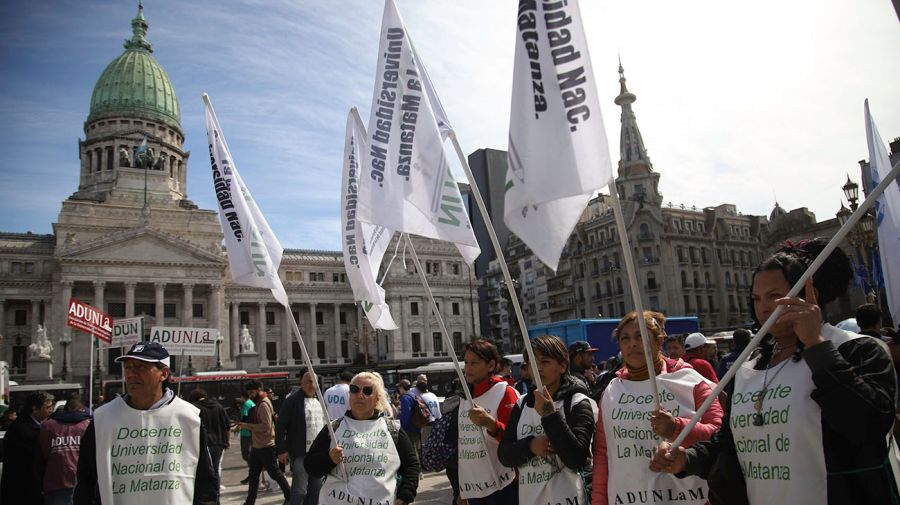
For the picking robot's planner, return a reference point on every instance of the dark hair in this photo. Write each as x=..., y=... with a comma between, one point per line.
x=830, y=280
x=673, y=338
x=484, y=350
x=74, y=403
x=504, y=363
x=552, y=347
x=741, y=337
x=34, y=400
x=868, y=316
x=197, y=394
x=254, y=384
x=346, y=375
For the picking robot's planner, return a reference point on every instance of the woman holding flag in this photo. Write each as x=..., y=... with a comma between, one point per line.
x=810, y=415
x=483, y=480
x=629, y=428
x=549, y=432
x=380, y=465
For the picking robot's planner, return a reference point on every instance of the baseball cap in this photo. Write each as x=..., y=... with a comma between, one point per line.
x=694, y=340
x=580, y=346
x=151, y=352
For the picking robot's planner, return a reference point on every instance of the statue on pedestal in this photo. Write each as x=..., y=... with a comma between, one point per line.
x=41, y=347
x=246, y=341
x=124, y=159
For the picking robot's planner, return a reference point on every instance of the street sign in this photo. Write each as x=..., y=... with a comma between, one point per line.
x=187, y=341
x=89, y=319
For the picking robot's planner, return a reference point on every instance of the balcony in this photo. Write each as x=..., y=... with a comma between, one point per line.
x=646, y=236
x=650, y=260
x=654, y=287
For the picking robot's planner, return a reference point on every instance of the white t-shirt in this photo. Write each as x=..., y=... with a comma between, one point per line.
x=337, y=400
x=433, y=405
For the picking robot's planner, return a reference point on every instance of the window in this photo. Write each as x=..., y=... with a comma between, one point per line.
x=654, y=303
x=296, y=353
x=111, y=366
x=320, y=317
x=169, y=310
x=596, y=290
x=16, y=267
x=454, y=308
x=115, y=309
x=687, y=304
x=454, y=268
x=609, y=291
x=270, y=317
x=699, y=303
x=712, y=305
x=684, y=282
x=144, y=308
x=438, y=341
x=245, y=317
x=198, y=310
x=335, y=278
x=706, y=278
x=320, y=349
x=342, y=317
x=622, y=308
x=457, y=340
x=21, y=318
x=619, y=287
x=416, y=342
x=271, y=351
x=345, y=348
x=651, y=280
x=414, y=308
x=296, y=317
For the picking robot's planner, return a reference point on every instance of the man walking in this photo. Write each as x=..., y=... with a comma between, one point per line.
x=262, y=451
x=299, y=421
x=741, y=338
x=18, y=484
x=215, y=421
x=407, y=404
x=60, y=443
x=152, y=439
x=431, y=401
x=337, y=396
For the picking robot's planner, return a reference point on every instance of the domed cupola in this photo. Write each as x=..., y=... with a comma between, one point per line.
x=776, y=213
x=135, y=85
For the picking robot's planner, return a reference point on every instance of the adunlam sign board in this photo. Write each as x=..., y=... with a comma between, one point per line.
x=187, y=341
x=125, y=332
x=89, y=319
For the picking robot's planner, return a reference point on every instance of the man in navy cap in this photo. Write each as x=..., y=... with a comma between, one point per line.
x=148, y=446
x=581, y=357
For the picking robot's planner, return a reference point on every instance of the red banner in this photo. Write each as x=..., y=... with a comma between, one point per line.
x=89, y=319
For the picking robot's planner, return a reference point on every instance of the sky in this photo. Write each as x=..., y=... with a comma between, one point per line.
x=738, y=102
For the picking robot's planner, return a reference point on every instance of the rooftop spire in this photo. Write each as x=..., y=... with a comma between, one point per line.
x=139, y=30
x=631, y=144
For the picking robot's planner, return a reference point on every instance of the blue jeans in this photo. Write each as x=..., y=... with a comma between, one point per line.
x=304, y=487
x=59, y=497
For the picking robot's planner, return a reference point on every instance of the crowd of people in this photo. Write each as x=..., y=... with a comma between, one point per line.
x=807, y=420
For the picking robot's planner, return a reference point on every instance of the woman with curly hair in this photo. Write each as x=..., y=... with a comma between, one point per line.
x=809, y=416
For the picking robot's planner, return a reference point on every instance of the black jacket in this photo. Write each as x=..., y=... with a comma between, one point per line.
x=855, y=387
x=19, y=483
x=87, y=491
x=214, y=419
x=571, y=436
x=319, y=464
x=290, y=429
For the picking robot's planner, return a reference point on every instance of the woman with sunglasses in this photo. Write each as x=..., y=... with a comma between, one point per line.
x=810, y=416
x=482, y=479
x=550, y=431
x=374, y=452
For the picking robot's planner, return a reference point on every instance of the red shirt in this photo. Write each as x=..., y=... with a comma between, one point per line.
x=510, y=397
x=701, y=366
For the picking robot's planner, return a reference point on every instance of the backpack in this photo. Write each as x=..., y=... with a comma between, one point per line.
x=420, y=412
x=440, y=445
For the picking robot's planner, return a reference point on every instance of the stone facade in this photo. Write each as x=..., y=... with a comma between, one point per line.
x=130, y=242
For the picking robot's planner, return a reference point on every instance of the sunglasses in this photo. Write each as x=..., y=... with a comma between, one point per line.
x=366, y=391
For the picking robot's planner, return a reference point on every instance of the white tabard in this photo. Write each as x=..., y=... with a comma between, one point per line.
x=545, y=479
x=371, y=461
x=480, y=471
x=783, y=460
x=626, y=406
x=147, y=457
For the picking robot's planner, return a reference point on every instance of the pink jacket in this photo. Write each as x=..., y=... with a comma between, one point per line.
x=709, y=424
x=60, y=443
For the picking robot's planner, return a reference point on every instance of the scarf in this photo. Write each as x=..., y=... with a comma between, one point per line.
x=641, y=373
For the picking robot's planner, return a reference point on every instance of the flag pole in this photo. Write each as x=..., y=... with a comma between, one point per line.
x=801, y=283
x=91, y=374
x=437, y=313
x=315, y=379
x=635, y=290
x=180, y=371
x=500, y=258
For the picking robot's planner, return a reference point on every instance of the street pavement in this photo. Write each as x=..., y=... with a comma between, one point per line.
x=434, y=488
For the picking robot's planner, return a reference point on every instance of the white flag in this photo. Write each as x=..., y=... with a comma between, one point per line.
x=558, y=154
x=254, y=252
x=406, y=184
x=887, y=212
x=361, y=267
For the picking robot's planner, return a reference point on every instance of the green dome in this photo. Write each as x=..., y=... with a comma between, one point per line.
x=134, y=84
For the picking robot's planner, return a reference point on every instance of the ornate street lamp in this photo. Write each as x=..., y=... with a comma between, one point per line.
x=863, y=236
x=219, y=340
x=64, y=340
